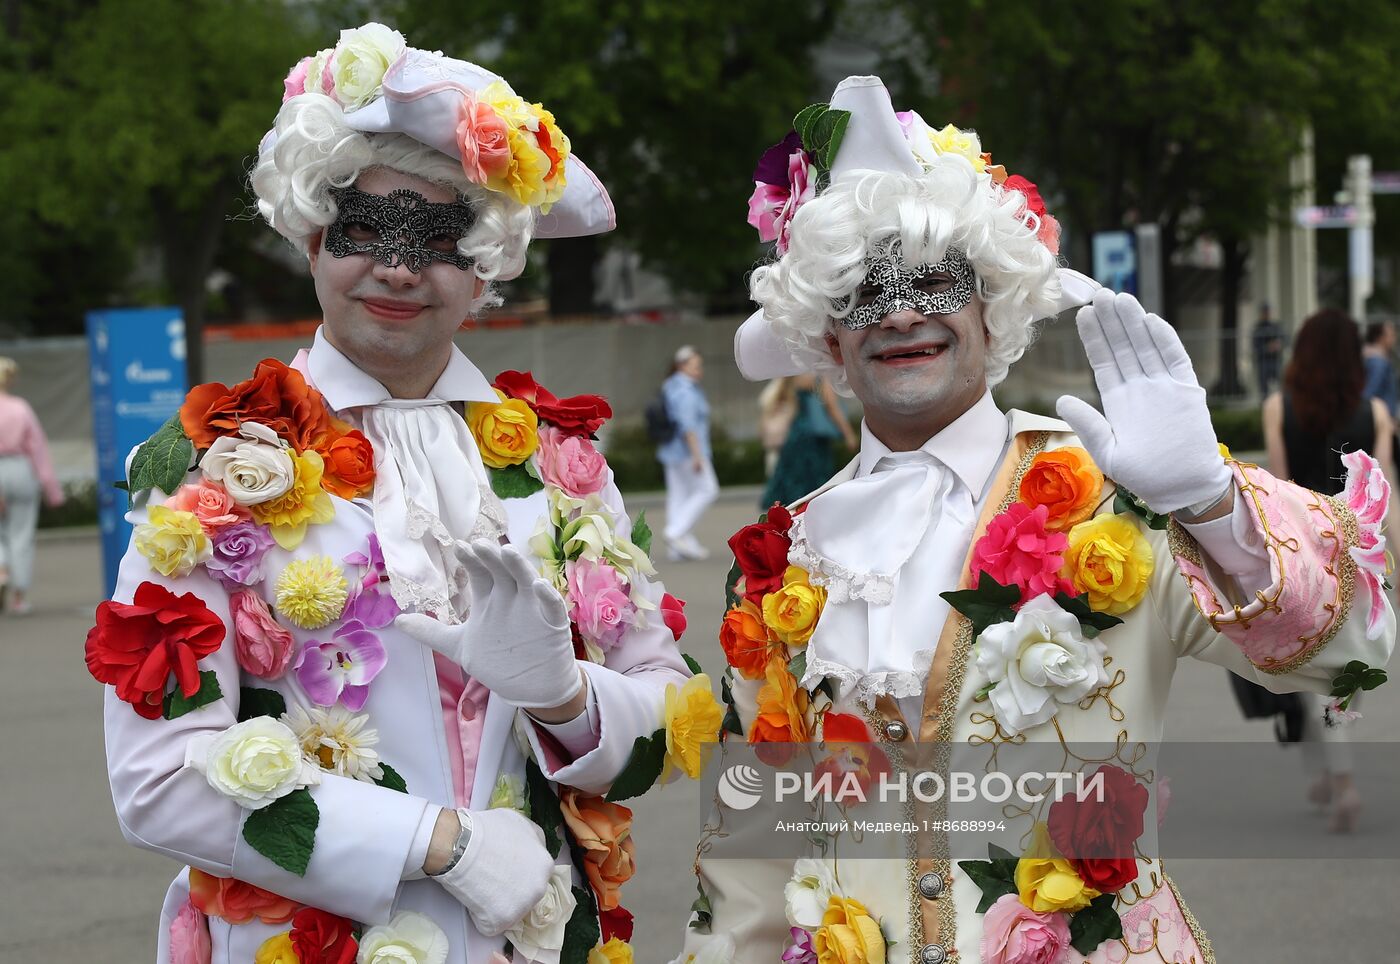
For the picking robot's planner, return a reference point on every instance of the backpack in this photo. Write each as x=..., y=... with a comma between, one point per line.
x=661, y=427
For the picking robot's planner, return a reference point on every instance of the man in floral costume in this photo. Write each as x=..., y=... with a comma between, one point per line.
x=385, y=634
x=984, y=581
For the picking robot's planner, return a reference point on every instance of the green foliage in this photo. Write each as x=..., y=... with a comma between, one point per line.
x=285, y=831
x=259, y=701
x=392, y=779
x=177, y=704
x=1241, y=429
x=514, y=482
x=643, y=767
x=544, y=806
x=161, y=461
x=986, y=605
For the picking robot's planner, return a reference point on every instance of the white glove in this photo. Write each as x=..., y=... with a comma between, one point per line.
x=1155, y=436
x=503, y=873
x=516, y=640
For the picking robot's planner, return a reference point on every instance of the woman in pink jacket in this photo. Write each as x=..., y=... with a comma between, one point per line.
x=25, y=474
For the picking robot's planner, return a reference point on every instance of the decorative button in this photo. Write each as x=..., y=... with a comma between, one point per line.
x=896, y=731
x=931, y=885
x=933, y=954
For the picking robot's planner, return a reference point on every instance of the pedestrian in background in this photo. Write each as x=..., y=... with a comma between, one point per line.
x=691, y=485
x=1381, y=382
x=26, y=473
x=813, y=422
x=1268, y=351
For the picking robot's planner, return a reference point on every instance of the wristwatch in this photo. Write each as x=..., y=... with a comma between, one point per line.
x=459, y=847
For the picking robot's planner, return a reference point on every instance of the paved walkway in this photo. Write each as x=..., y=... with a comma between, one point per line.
x=74, y=891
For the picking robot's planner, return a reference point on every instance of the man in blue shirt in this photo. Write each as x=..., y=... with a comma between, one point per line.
x=1380, y=371
x=691, y=485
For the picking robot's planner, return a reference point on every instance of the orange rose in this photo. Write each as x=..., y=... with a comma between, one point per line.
x=238, y=902
x=349, y=462
x=1065, y=481
x=745, y=640
x=276, y=396
x=782, y=708
x=604, y=831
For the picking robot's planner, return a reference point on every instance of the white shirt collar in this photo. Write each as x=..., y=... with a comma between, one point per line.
x=345, y=386
x=971, y=445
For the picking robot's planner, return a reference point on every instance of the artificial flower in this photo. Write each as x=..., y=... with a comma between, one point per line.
x=211, y=504
x=673, y=615
x=746, y=642
x=761, y=553
x=692, y=719
x=311, y=592
x=136, y=646
x=784, y=180
x=848, y=934
x=342, y=667
x=603, y=831
x=506, y=432
x=1067, y=482
x=1098, y=828
x=1046, y=882
x=599, y=602
x=1012, y=933
x=348, y=465
x=237, y=901
x=318, y=73
x=782, y=708
x=1334, y=714
x=237, y=554
x=409, y=938
x=172, y=541
x=538, y=150
x=361, y=59
x=592, y=535
x=370, y=600
x=616, y=923
x=482, y=140
x=508, y=793
x=295, y=82
x=540, y=936
x=277, y=949
x=1037, y=662
x=1048, y=229
x=254, y=466
x=1367, y=494
x=808, y=893
x=305, y=503
x=575, y=415
x=791, y=611
x=1018, y=549
x=801, y=951
x=276, y=396
x=261, y=646
x=189, y=936
x=965, y=144
x=571, y=463
x=338, y=741
x=1109, y=559
x=254, y=763
x=320, y=937
x=613, y=952
x=850, y=749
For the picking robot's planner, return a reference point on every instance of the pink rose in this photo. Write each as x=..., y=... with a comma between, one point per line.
x=601, y=608
x=295, y=83
x=1012, y=933
x=1018, y=550
x=570, y=463
x=483, y=141
x=189, y=937
x=776, y=197
x=673, y=615
x=210, y=503
x=262, y=647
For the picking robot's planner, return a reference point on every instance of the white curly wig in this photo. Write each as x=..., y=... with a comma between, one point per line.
x=947, y=204
x=310, y=150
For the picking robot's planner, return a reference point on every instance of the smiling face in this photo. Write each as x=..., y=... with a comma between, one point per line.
x=394, y=323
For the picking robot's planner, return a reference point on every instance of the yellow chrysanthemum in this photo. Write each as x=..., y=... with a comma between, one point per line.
x=304, y=503
x=693, y=718
x=277, y=949
x=615, y=951
x=311, y=592
x=172, y=541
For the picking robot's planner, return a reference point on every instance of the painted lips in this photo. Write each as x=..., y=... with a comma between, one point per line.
x=393, y=310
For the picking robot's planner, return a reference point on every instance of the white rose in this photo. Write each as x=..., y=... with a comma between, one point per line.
x=1038, y=660
x=254, y=467
x=254, y=763
x=407, y=939
x=361, y=59
x=540, y=936
x=316, y=70
x=808, y=892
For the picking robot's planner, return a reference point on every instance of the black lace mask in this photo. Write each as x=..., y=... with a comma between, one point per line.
x=403, y=228
x=943, y=288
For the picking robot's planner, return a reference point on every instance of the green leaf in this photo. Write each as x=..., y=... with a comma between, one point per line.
x=391, y=779
x=690, y=662
x=177, y=704
x=643, y=767
x=822, y=131
x=514, y=482
x=285, y=831
x=544, y=806
x=797, y=666
x=581, y=933
x=1125, y=501
x=1095, y=924
x=805, y=119
x=838, y=134
x=257, y=701
x=162, y=460
x=732, y=723
x=701, y=910
x=641, y=533
x=991, y=878
x=731, y=594
x=988, y=604
x=1373, y=678
x=1090, y=622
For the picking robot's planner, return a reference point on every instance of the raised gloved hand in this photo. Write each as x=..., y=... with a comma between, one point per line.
x=516, y=640
x=1154, y=436
x=504, y=871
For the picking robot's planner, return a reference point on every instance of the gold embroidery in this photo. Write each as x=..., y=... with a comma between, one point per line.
x=1197, y=931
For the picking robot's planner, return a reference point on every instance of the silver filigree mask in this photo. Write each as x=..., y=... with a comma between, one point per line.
x=943, y=288
x=402, y=228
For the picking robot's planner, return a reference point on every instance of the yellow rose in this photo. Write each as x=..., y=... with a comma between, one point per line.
x=791, y=613
x=693, y=718
x=950, y=140
x=173, y=541
x=615, y=951
x=277, y=950
x=848, y=935
x=304, y=503
x=507, y=432
x=1048, y=882
x=1110, y=560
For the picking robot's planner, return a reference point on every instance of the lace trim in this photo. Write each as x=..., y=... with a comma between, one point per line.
x=869, y=687
x=453, y=604
x=842, y=583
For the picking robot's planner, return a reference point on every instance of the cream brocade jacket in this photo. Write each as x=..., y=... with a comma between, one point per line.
x=1294, y=635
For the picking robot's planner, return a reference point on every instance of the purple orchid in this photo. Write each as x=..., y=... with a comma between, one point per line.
x=342, y=668
x=801, y=951
x=370, y=601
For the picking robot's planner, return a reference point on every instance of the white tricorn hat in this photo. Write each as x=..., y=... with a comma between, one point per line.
x=875, y=138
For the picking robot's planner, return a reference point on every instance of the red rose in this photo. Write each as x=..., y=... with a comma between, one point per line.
x=761, y=551
x=322, y=938
x=576, y=415
x=1098, y=835
x=1034, y=203
x=616, y=923
x=673, y=615
x=135, y=647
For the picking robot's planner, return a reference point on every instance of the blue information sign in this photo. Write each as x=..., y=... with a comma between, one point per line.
x=137, y=367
